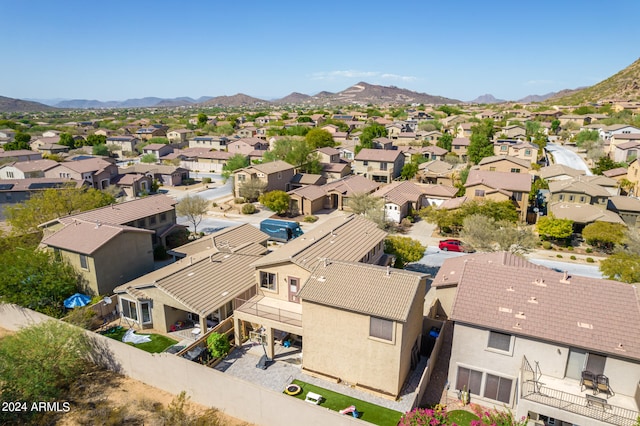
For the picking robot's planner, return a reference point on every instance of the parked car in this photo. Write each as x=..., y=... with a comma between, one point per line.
x=453, y=245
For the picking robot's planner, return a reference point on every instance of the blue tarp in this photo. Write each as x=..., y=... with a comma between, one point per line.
x=77, y=300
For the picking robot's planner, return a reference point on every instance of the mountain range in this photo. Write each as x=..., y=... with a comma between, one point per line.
x=625, y=85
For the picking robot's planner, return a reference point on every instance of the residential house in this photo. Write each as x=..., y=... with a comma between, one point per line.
x=463, y=130
x=204, y=160
x=6, y=135
x=452, y=121
x=559, y=172
x=210, y=142
x=548, y=115
x=406, y=138
x=25, y=169
x=304, y=179
x=95, y=172
x=331, y=128
x=328, y=155
x=500, y=186
x=507, y=354
x=246, y=146
x=103, y=132
x=514, y=148
x=247, y=132
x=584, y=190
x=179, y=136
x=146, y=133
x=123, y=145
x=133, y=184
x=20, y=155
x=335, y=171
x=633, y=176
x=459, y=147
x=582, y=214
x=617, y=174
x=432, y=137
x=429, y=152
x=375, y=312
x=579, y=120
x=400, y=199
x=279, y=275
x=437, y=194
x=165, y=175
x=607, y=132
x=95, y=249
x=514, y=132
x=310, y=199
x=382, y=143
x=13, y=191
x=624, y=152
x=51, y=134
x=379, y=165
x=505, y=163
x=159, y=150
x=628, y=208
x=435, y=171
x=275, y=175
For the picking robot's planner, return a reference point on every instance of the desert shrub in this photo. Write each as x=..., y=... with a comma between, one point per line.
x=239, y=200
x=249, y=209
x=546, y=245
x=218, y=344
x=206, y=180
x=310, y=219
x=570, y=248
x=559, y=256
x=214, y=205
x=590, y=260
x=589, y=250
x=572, y=257
x=84, y=317
x=188, y=181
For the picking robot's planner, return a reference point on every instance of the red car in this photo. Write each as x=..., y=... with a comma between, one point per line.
x=453, y=245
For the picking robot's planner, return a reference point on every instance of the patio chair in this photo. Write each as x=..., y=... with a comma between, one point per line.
x=588, y=381
x=602, y=383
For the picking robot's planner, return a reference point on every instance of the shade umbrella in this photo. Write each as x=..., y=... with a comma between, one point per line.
x=77, y=300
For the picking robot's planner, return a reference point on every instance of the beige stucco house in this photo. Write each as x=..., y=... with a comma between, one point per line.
x=379, y=165
x=579, y=190
x=505, y=163
x=523, y=336
x=275, y=175
x=95, y=172
x=500, y=186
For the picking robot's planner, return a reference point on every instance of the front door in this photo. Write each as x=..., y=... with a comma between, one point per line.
x=293, y=289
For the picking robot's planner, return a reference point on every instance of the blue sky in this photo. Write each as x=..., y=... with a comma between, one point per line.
x=130, y=49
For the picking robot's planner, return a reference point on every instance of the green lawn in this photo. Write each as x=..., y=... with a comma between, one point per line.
x=157, y=344
x=335, y=401
x=461, y=417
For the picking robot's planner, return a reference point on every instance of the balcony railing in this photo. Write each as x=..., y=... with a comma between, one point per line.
x=533, y=391
x=269, y=312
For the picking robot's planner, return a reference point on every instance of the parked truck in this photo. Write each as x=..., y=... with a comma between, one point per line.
x=280, y=230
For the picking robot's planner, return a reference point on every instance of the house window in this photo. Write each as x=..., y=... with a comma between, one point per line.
x=10, y=175
x=163, y=217
x=365, y=163
x=383, y=166
x=469, y=379
x=580, y=360
x=499, y=341
x=498, y=388
x=141, y=223
x=479, y=192
x=129, y=309
x=517, y=196
x=381, y=328
x=515, y=170
x=145, y=309
x=241, y=178
x=504, y=148
x=279, y=175
x=57, y=255
x=492, y=169
x=152, y=220
x=268, y=281
x=84, y=262
x=527, y=152
x=582, y=198
x=561, y=197
x=571, y=197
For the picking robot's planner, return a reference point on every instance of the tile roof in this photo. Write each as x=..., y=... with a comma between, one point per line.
x=366, y=289
x=559, y=169
x=86, y=237
x=577, y=186
x=32, y=184
x=311, y=192
x=382, y=155
x=349, y=185
x=460, y=142
x=400, y=192
x=348, y=238
x=583, y=213
x=126, y=212
x=328, y=150
x=628, y=145
x=594, y=314
x=35, y=165
x=520, y=182
x=227, y=239
x=164, y=169
x=271, y=167
x=86, y=165
x=495, y=158
x=202, y=285
x=436, y=166
x=618, y=171
x=625, y=203
x=453, y=203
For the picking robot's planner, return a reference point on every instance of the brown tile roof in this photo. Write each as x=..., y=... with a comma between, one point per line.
x=349, y=185
x=436, y=166
x=625, y=203
x=163, y=169
x=227, y=239
x=382, y=155
x=202, y=285
x=628, y=136
x=35, y=165
x=618, y=171
x=126, y=212
x=154, y=146
x=577, y=186
x=334, y=167
x=86, y=237
x=438, y=190
x=453, y=203
x=311, y=192
x=249, y=141
x=519, y=182
x=628, y=145
x=594, y=314
x=559, y=169
x=495, y=158
x=400, y=192
x=271, y=167
x=85, y=166
x=348, y=238
x=460, y=142
x=328, y=150
x=583, y=213
x=34, y=184
x=365, y=289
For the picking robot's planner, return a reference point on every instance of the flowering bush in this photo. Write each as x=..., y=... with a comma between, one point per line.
x=495, y=417
x=435, y=416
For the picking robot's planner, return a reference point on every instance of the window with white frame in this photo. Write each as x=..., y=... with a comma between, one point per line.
x=145, y=310
x=268, y=281
x=130, y=309
x=381, y=328
x=499, y=341
x=470, y=380
x=497, y=388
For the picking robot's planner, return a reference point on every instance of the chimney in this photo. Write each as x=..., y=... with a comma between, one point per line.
x=97, y=224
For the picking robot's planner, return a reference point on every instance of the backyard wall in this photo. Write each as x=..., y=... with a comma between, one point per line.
x=237, y=398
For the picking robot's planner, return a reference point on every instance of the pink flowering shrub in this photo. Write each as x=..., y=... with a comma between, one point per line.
x=493, y=417
x=436, y=416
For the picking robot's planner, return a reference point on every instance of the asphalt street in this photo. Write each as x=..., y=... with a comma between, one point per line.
x=563, y=155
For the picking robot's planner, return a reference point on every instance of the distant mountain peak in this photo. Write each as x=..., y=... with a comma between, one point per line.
x=487, y=99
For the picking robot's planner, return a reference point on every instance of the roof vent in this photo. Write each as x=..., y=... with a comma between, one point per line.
x=505, y=310
x=521, y=315
x=510, y=288
x=322, y=279
x=565, y=278
x=585, y=325
x=97, y=224
x=533, y=299
x=620, y=348
x=539, y=282
x=190, y=274
x=388, y=270
x=224, y=293
x=518, y=326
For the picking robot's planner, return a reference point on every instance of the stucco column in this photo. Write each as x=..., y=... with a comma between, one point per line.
x=236, y=331
x=270, y=348
x=203, y=324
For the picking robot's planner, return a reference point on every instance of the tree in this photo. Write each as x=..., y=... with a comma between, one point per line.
x=622, y=266
x=149, y=158
x=404, y=249
x=532, y=128
x=100, y=149
x=370, y=133
x=218, y=344
x=236, y=162
x=66, y=139
x=587, y=135
x=480, y=145
x=53, y=203
x=39, y=362
x=549, y=227
x=369, y=206
x=252, y=189
x=20, y=141
x=202, y=119
x=445, y=141
x=555, y=126
x=604, y=235
x=604, y=164
x=319, y=138
x=193, y=207
x=484, y=233
x=93, y=140
x=295, y=152
x=409, y=170
x=31, y=278
x=276, y=201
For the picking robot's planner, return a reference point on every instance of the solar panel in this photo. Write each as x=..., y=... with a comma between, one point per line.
x=6, y=186
x=46, y=185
